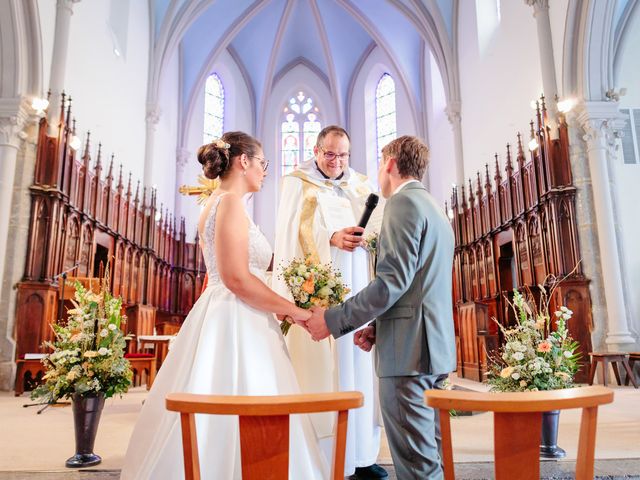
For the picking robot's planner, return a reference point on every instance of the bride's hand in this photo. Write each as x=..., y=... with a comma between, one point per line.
x=300, y=316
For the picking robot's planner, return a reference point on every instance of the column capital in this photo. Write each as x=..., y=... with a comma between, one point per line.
x=15, y=114
x=453, y=112
x=153, y=114
x=602, y=123
x=538, y=5
x=67, y=4
x=182, y=157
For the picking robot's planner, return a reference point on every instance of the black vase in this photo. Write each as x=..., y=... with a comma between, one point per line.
x=549, y=439
x=86, y=416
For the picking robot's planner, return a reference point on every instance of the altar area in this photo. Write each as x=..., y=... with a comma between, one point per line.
x=34, y=444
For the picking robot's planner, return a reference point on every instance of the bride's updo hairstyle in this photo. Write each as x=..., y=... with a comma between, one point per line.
x=218, y=156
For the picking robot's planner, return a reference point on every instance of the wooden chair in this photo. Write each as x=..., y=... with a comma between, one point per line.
x=140, y=363
x=518, y=424
x=633, y=358
x=614, y=358
x=33, y=368
x=264, y=428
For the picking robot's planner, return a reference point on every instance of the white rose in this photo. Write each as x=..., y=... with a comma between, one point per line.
x=325, y=292
x=567, y=353
x=515, y=375
x=104, y=332
x=112, y=326
x=518, y=356
x=103, y=351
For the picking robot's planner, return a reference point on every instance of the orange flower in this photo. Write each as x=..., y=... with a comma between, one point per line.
x=544, y=347
x=309, y=285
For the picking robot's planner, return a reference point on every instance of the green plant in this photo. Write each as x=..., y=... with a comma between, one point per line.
x=87, y=354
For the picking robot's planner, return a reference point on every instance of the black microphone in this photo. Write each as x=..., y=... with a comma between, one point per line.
x=369, y=206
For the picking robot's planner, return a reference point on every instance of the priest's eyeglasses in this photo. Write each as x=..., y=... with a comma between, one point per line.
x=264, y=163
x=331, y=155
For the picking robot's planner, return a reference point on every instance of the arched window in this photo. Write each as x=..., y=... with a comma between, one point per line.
x=297, y=143
x=385, y=112
x=213, y=108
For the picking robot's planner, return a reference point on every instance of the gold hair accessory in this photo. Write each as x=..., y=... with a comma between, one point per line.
x=218, y=142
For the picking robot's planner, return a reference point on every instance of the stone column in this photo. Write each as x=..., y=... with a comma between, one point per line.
x=453, y=114
x=152, y=119
x=64, y=11
x=547, y=64
x=14, y=114
x=602, y=123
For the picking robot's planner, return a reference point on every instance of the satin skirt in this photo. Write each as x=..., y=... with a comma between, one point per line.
x=225, y=347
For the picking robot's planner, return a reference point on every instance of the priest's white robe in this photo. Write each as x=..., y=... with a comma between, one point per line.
x=329, y=365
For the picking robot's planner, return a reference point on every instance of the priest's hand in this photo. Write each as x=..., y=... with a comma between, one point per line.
x=365, y=338
x=346, y=239
x=316, y=325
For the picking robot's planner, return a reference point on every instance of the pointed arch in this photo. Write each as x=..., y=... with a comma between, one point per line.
x=214, y=100
x=385, y=112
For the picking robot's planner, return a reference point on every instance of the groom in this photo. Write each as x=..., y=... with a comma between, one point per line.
x=411, y=301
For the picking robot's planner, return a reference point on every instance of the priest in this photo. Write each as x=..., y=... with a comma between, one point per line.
x=320, y=203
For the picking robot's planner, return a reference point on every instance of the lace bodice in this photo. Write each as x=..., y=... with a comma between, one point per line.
x=260, y=251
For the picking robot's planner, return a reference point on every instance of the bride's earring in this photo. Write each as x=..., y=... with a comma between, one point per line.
x=244, y=172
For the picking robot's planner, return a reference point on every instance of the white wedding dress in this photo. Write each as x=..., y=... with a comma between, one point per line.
x=225, y=347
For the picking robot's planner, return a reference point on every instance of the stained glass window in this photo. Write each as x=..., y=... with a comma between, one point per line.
x=385, y=112
x=213, y=108
x=297, y=144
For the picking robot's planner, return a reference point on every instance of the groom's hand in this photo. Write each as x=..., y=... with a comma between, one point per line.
x=316, y=325
x=347, y=239
x=365, y=338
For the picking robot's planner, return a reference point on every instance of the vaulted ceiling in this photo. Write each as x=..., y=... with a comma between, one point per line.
x=269, y=37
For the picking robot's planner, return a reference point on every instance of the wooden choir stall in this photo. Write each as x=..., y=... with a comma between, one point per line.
x=82, y=217
x=511, y=232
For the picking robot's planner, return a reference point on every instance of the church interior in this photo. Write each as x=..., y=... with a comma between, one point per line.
x=530, y=110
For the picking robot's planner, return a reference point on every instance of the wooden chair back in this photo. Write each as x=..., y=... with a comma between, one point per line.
x=518, y=424
x=264, y=428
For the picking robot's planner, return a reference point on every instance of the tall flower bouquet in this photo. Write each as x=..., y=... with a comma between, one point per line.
x=88, y=352
x=535, y=355
x=313, y=284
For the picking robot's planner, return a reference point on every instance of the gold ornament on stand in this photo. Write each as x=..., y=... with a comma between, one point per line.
x=206, y=188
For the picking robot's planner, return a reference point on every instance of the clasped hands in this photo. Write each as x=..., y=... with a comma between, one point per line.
x=317, y=328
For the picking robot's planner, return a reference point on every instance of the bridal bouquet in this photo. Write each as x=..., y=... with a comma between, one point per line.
x=535, y=355
x=88, y=352
x=311, y=285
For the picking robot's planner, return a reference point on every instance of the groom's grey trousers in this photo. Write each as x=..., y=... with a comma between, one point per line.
x=412, y=428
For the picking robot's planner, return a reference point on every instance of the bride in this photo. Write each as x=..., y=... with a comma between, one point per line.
x=229, y=343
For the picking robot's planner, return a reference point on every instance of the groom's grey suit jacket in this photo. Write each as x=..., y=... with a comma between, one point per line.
x=410, y=297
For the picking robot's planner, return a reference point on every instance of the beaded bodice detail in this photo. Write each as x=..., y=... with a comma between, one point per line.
x=260, y=251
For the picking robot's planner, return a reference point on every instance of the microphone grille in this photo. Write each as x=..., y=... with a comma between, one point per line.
x=372, y=200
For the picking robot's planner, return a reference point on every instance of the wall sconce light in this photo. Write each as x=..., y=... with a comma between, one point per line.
x=75, y=143
x=39, y=105
x=565, y=106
